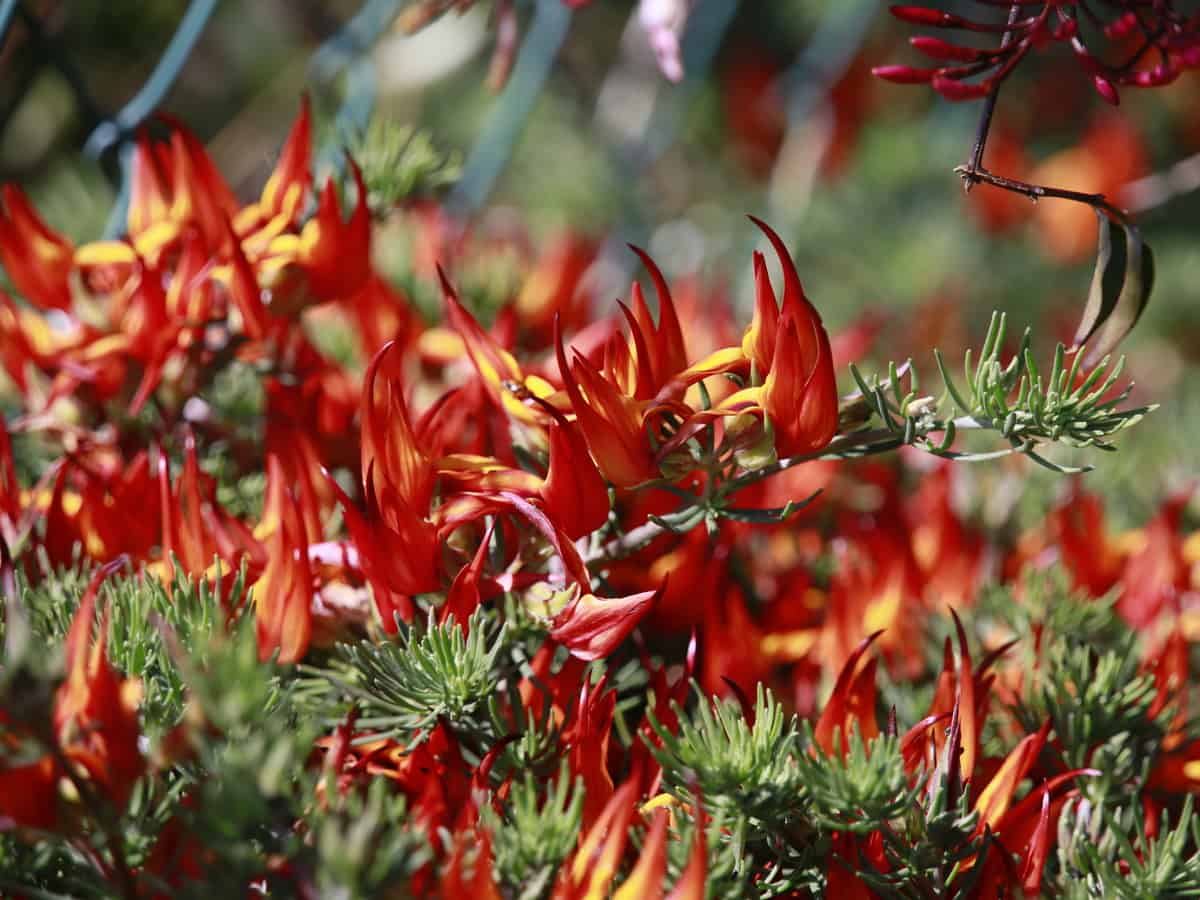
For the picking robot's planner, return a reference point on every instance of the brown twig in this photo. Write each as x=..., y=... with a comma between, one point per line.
x=975, y=163
x=1037, y=192
x=973, y=172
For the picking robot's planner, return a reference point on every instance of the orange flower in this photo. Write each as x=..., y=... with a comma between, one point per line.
x=1155, y=574
x=95, y=713
x=659, y=349
x=397, y=545
x=36, y=257
x=334, y=256
x=573, y=491
x=645, y=881
x=592, y=627
x=589, y=626
x=283, y=195
x=612, y=423
x=799, y=394
x=949, y=554
x=480, y=884
x=29, y=794
x=390, y=451
x=1089, y=553
x=195, y=529
x=175, y=186
x=589, y=874
x=283, y=592
x=95, y=726
x=787, y=351
x=851, y=706
x=587, y=736
x=464, y=595
x=497, y=367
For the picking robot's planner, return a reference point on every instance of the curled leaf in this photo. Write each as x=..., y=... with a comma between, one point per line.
x=1121, y=285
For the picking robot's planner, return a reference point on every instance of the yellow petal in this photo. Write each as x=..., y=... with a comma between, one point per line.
x=105, y=253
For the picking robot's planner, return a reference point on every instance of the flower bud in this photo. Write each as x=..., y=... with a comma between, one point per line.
x=936, y=48
x=903, y=74
x=1106, y=89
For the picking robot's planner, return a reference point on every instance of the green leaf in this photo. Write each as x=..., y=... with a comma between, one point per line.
x=1106, y=282
x=1135, y=294
x=1121, y=285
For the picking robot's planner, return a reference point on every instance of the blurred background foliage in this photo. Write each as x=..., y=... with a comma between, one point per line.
x=777, y=115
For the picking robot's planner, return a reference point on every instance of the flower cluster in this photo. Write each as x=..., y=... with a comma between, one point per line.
x=510, y=447
x=477, y=607
x=1122, y=43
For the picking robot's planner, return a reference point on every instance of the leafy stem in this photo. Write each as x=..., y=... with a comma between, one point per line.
x=1016, y=400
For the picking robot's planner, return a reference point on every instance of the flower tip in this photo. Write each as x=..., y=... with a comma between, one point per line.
x=448, y=291
x=355, y=173
x=766, y=229
x=1106, y=89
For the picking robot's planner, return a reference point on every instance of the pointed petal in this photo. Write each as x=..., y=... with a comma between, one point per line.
x=793, y=291
x=574, y=492
x=389, y=445
x=286, y=187
x=645, y=882
x=592, y=628
x=600, y=850
x=669, y=342
x=993, y=801
x=1037, y=853
x=244, y=290
x=845, y=703
x=966, y=702
x=463, y=598
x=690, y=885
x=335, y=255
x=758, y=343
x=36, y=258
x=283, y=592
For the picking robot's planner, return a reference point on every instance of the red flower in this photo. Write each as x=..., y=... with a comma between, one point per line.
x=334, y=256
x=1159, y=27
x=799, y=395
x=573, y=492
x=612, y=422
x=95, y=726
x=592, y=627
x=283, y=592
x=36, y=258
x=587, y=736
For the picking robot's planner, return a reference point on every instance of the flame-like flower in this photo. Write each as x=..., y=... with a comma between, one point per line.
x=790, y=345
x=283, y=592
x=95, y=726
x=36, y=258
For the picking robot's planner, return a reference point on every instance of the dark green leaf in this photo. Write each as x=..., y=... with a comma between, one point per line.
x=1135, y=293
x=1121, y=285
x=1107, y=279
